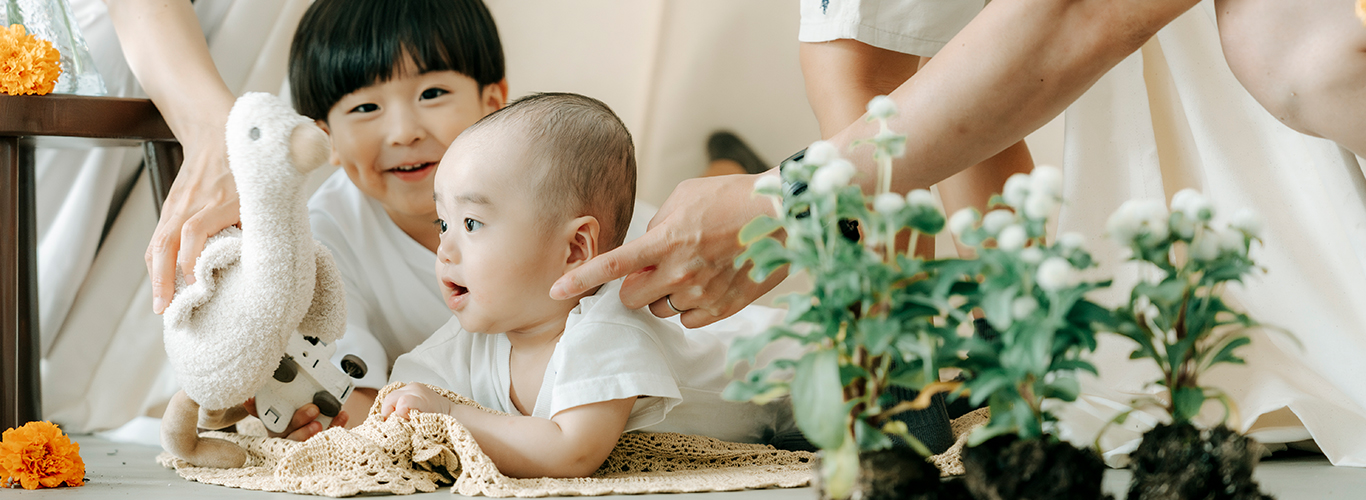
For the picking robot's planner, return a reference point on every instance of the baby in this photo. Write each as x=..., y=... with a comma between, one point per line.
x=524, y=195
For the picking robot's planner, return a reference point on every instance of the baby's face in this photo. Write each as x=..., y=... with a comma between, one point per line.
x=389, y=136
x=496, y=261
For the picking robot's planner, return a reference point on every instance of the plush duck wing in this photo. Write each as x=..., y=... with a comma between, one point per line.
x=326, y=317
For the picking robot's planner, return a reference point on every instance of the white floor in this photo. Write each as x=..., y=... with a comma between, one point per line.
x=115, y=470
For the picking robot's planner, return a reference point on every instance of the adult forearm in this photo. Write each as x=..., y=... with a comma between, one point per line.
x=166, y=50
x=1012, y=69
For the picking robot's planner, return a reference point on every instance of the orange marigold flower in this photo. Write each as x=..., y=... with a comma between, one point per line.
x=38, y=455
x=28, y=64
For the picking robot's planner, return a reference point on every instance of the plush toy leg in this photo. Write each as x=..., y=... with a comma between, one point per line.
x=180, y=436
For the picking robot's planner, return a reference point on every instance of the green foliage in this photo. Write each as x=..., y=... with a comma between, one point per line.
x=877, y=316
x=1031, y=293
x=1180, y=320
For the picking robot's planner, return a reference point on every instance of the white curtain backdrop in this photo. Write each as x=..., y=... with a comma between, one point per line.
x=674, y=70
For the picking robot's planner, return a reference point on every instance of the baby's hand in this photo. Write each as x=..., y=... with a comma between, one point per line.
x=303, y=425
x=414, y=397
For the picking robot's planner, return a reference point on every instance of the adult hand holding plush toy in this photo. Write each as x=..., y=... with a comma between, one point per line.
x=256, y=288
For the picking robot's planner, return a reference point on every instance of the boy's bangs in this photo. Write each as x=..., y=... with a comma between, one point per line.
x=350, y=44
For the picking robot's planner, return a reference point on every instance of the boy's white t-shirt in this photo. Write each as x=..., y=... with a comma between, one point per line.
x=393, y=301
x=610, y=352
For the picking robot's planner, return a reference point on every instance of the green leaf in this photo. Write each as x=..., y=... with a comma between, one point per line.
x=1187, y=402
x=760, y=227
x=818, y=399
x=870, y=438
x=748, y=347
x=1063, y=387
x=996, y=306
x=986, y=384
x=1225, y=354
x=760, y=391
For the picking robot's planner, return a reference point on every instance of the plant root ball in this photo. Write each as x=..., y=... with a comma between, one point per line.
x=893, y=474
x=1008, y=468
x=1178, y=461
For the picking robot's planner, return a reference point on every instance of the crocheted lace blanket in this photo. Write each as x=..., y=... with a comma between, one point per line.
x=428, y=451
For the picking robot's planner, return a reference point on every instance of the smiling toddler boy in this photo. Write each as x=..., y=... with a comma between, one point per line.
x=524, y=195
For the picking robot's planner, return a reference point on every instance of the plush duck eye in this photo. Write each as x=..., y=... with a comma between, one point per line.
x=472, y=225
x=254, y=133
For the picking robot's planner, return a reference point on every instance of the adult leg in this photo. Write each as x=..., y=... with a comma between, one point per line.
x=1304, y=61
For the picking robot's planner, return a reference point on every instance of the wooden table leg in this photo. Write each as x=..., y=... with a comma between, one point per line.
x=20, y=396
x=162, y=160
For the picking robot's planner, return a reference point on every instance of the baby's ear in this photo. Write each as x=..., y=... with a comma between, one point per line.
x=583, y=242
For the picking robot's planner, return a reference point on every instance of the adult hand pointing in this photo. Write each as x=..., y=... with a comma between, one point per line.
x=686, y=260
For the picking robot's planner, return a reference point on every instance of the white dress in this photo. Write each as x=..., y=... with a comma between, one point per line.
x=1172, y=116
x=610, y=352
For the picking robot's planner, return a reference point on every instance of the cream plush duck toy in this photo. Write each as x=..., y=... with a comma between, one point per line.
x=255, y=288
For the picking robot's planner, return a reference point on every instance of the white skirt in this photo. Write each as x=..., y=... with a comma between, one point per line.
x=1172, y=116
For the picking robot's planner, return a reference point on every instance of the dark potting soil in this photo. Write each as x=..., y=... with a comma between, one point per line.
x=894, y=474
x=1007, y=468
x=1180, y=462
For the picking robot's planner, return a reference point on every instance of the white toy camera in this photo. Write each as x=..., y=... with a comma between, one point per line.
x=306, y=375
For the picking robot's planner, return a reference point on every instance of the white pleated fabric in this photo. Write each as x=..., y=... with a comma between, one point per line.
x=1172, y=116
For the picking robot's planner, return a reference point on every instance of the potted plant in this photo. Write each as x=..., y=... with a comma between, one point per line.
x=877, y=317
x=1182, y=324
x=1033, y=295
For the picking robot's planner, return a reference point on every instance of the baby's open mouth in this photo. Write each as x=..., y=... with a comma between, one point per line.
x=455, y=289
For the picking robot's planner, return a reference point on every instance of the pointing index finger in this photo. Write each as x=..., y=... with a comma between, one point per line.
x=644, y=252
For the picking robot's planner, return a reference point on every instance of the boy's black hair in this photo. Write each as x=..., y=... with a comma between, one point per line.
x=344, y=45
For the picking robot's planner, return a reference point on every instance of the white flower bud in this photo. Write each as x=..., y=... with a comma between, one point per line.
x=921, y=198
x=1056, y=274
x=1124, y=224
x=881, y=107
x=1046, y=179
x=832, y=176
x=1232, y=241
x=888, y=203
x=962, y=220
x=1071, y=240
x=1205, y=247
x=1039, y=205
x=1143, y=305
x=768, y=182
x=1192, y=204
x=1032, y=256
x=996, y=220
x=821, y=153
x=1247, y=221
x=1012, y=238
x=1022, y=307
x=1016, y=190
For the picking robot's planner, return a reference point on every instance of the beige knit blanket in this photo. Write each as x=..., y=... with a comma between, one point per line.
x=430, y=450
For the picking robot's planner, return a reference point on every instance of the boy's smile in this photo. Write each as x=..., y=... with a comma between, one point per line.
x=390, y=136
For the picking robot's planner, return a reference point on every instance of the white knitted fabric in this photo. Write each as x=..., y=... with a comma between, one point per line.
x=256, y=286
x=431, y=450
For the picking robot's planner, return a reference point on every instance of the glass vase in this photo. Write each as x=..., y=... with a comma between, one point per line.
x=52, y=20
